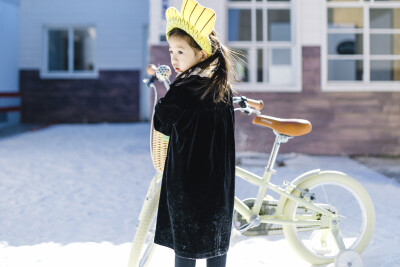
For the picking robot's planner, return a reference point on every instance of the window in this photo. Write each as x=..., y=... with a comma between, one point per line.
x=69, y=52
x=265, y=31
x=362, y=45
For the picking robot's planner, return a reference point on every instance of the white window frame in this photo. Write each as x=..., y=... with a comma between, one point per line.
x=252, y=46
x=70, y=74
x=357, y=86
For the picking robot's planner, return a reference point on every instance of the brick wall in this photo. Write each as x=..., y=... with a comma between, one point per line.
x=113, y=97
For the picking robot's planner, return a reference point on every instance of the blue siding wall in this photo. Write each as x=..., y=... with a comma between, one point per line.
x=9, y=45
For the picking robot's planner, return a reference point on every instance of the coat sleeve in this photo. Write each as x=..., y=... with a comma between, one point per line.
x=167, y=112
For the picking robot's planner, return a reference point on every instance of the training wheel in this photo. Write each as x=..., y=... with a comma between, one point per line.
x=348, y=258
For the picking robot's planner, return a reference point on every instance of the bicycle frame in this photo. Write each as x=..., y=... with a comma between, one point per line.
x=265, y=184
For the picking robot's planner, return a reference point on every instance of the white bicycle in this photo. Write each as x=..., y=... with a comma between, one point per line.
x=326, y=216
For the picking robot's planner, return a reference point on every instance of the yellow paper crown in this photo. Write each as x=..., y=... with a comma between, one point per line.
x=194, y=19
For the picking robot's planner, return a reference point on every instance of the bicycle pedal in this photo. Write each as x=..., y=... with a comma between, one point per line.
x=236, y=237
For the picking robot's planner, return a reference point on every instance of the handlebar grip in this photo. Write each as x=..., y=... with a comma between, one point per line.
x=256, y=104
x=151, y=69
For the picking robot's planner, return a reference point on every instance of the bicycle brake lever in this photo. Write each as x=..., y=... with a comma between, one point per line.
x=149, y=80
x=242, y=103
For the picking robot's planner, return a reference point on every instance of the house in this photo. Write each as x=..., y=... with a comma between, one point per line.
x=82, y=61
x=334, y=63
x=9, y=88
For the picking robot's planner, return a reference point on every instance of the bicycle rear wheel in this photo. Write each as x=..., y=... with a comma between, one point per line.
x=143, y=244
x=346, y=197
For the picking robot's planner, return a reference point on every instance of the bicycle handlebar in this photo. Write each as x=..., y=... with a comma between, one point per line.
x=247, y=105
x=161, y=73
x=255, y=104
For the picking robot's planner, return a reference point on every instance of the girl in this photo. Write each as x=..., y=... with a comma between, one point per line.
x=197, y=192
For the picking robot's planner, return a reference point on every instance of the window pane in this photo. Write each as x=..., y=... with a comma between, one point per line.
x=345, y=70
x=278, y=0
x=385, y=18
x=345, y=44
x=58, y=50
x=385, y=44
x=239, y=0
x=84, y=49
x=259, y=20
x=281, y=56
x=260, y=65
x=342, y=0
x=279, y=25
x=241, y=65
x=345, y=18
x=385, y=70
x=280, y=69
x=239, y=21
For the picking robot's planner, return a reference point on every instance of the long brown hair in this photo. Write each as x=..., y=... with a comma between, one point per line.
x=224, y=73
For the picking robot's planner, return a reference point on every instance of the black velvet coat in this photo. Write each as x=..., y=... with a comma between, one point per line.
x=198, y=184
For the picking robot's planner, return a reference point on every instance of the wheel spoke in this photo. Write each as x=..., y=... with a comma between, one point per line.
x=352, y=227
x=354, y=215
x=326, y=197
x=339, y=203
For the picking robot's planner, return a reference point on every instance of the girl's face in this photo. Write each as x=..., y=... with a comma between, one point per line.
x=183, y=56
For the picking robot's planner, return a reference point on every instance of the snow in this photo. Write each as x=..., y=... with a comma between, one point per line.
x=70, y=195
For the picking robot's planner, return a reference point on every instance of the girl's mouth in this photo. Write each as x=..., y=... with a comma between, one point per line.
x=177, y=70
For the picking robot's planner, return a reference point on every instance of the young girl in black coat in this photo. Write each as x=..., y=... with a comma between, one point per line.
x=197, y=192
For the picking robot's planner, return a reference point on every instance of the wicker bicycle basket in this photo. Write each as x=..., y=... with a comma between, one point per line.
x=159, y=145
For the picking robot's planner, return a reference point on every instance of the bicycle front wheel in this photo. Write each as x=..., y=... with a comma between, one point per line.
x=342, y=195
x=143, y=244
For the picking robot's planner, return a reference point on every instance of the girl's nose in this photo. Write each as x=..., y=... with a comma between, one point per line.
x=174, y=62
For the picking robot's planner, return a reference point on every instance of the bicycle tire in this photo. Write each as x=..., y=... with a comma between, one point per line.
x=143, y=233
x=304, y=248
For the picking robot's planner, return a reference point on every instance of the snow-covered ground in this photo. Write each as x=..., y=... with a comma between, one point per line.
x=70, y=195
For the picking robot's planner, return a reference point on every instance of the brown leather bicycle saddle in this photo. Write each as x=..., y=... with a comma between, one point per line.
x=290, y=127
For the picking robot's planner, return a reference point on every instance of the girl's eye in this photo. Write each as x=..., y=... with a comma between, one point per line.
x=179, y=52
